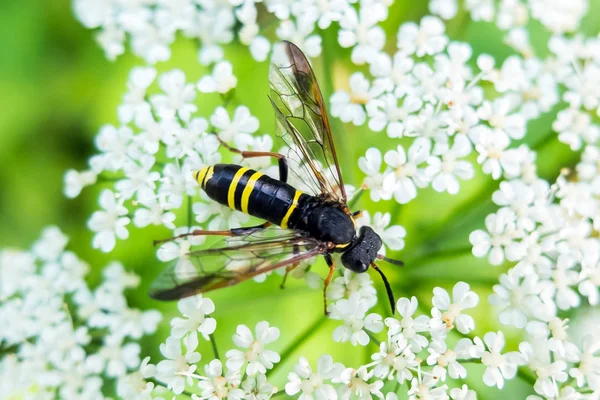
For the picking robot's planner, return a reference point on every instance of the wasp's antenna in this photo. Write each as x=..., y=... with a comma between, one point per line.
x=391, y=261
x=388, y=288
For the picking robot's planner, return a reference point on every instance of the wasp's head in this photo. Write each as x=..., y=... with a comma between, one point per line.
x=362, y=254
x=362, y=251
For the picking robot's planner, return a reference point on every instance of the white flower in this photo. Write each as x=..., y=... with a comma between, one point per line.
x=440, y=355
x=360, y=31
x=222, y=79
x=446, y=9
x=498, y=366
x=548, y=373
x=575, y=128
x=114, y=145
x=588, y=370
x=51, y=244
x=349, y=107
x=310, y=383
x=425, y=39
x=256, y=387
x=519, y=297
x=139, y=177
x=134, y=100
x=464, y=393
x=491, y=146
x=445, y=165
x=356, y=383
x=75, y=181
x=178, y=365
x=557, y=16
x=395, y=360
x=370, y=164
x=384, y=111
x=425, y=388
x=406, y=173
x=408, y=326
x=351, y=282
x=353, y=311
x=118, y=356
x=392, y=236
x=259, y=359
x=109, y=223
x=229, y=129
x=154, y=214
x=498, y=114
x=462, y=298
x=502, y=239
x=393, y=74
x=196, y=310
x=301, y=34
x=178, y=96
x=215, y=385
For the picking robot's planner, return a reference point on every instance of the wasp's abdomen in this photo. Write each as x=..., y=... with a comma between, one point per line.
x=252, y=192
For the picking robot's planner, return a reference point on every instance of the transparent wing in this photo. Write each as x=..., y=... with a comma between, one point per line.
x=302, y=122
x=242, y=259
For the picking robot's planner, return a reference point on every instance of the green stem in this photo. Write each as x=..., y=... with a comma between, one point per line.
x=525, y=375
x=280, y=393
x=189, y=214
x=298, y=342
x=373, y=338
x=213, y=342
x=457, y=252
x=159, y=383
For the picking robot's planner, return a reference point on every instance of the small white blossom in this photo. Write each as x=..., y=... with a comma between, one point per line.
x=109, y=223
x=258, y=358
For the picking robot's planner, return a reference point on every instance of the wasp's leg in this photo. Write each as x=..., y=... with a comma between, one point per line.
x=231, y=232
x=281, y=159
x=331, y=265
x=357, y=214
x=290, y=268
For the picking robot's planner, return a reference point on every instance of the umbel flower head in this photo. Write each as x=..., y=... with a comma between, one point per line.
x=460, y=153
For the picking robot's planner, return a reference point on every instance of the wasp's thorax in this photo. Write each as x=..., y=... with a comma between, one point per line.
x=362, y=251
x=329, y=224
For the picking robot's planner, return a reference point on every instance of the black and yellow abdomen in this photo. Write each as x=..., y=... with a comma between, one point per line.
x=253, y=193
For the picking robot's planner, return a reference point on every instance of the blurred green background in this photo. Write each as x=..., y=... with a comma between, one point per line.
x=57, y=89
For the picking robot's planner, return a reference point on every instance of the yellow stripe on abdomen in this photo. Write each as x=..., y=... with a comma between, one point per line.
x=233, y=186
x=248, y=190
x=204, y=175
x=284, y=221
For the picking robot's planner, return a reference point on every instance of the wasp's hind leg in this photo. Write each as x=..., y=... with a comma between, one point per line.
x=281, y=159
x=331, y=265
x=230, y=232
x=290, y=268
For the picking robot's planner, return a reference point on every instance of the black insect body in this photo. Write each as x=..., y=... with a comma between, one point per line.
x=312, y=224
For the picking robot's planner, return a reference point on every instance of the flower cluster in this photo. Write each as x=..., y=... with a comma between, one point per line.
x=152, y=26
x=416, y=352
x=59, y=337
x=446, y=110
x=428, y=91
x=546, y=233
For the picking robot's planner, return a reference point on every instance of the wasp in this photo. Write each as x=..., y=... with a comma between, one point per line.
x=299, y=225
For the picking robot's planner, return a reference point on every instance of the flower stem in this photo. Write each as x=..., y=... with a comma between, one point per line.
x=189, y=213
x=213, y=342
x=525, y=375
x=159, y=383
x=298, y=342
x=373, y=338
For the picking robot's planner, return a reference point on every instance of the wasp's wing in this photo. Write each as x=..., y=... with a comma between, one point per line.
x=302, y=121
x=244, y=258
